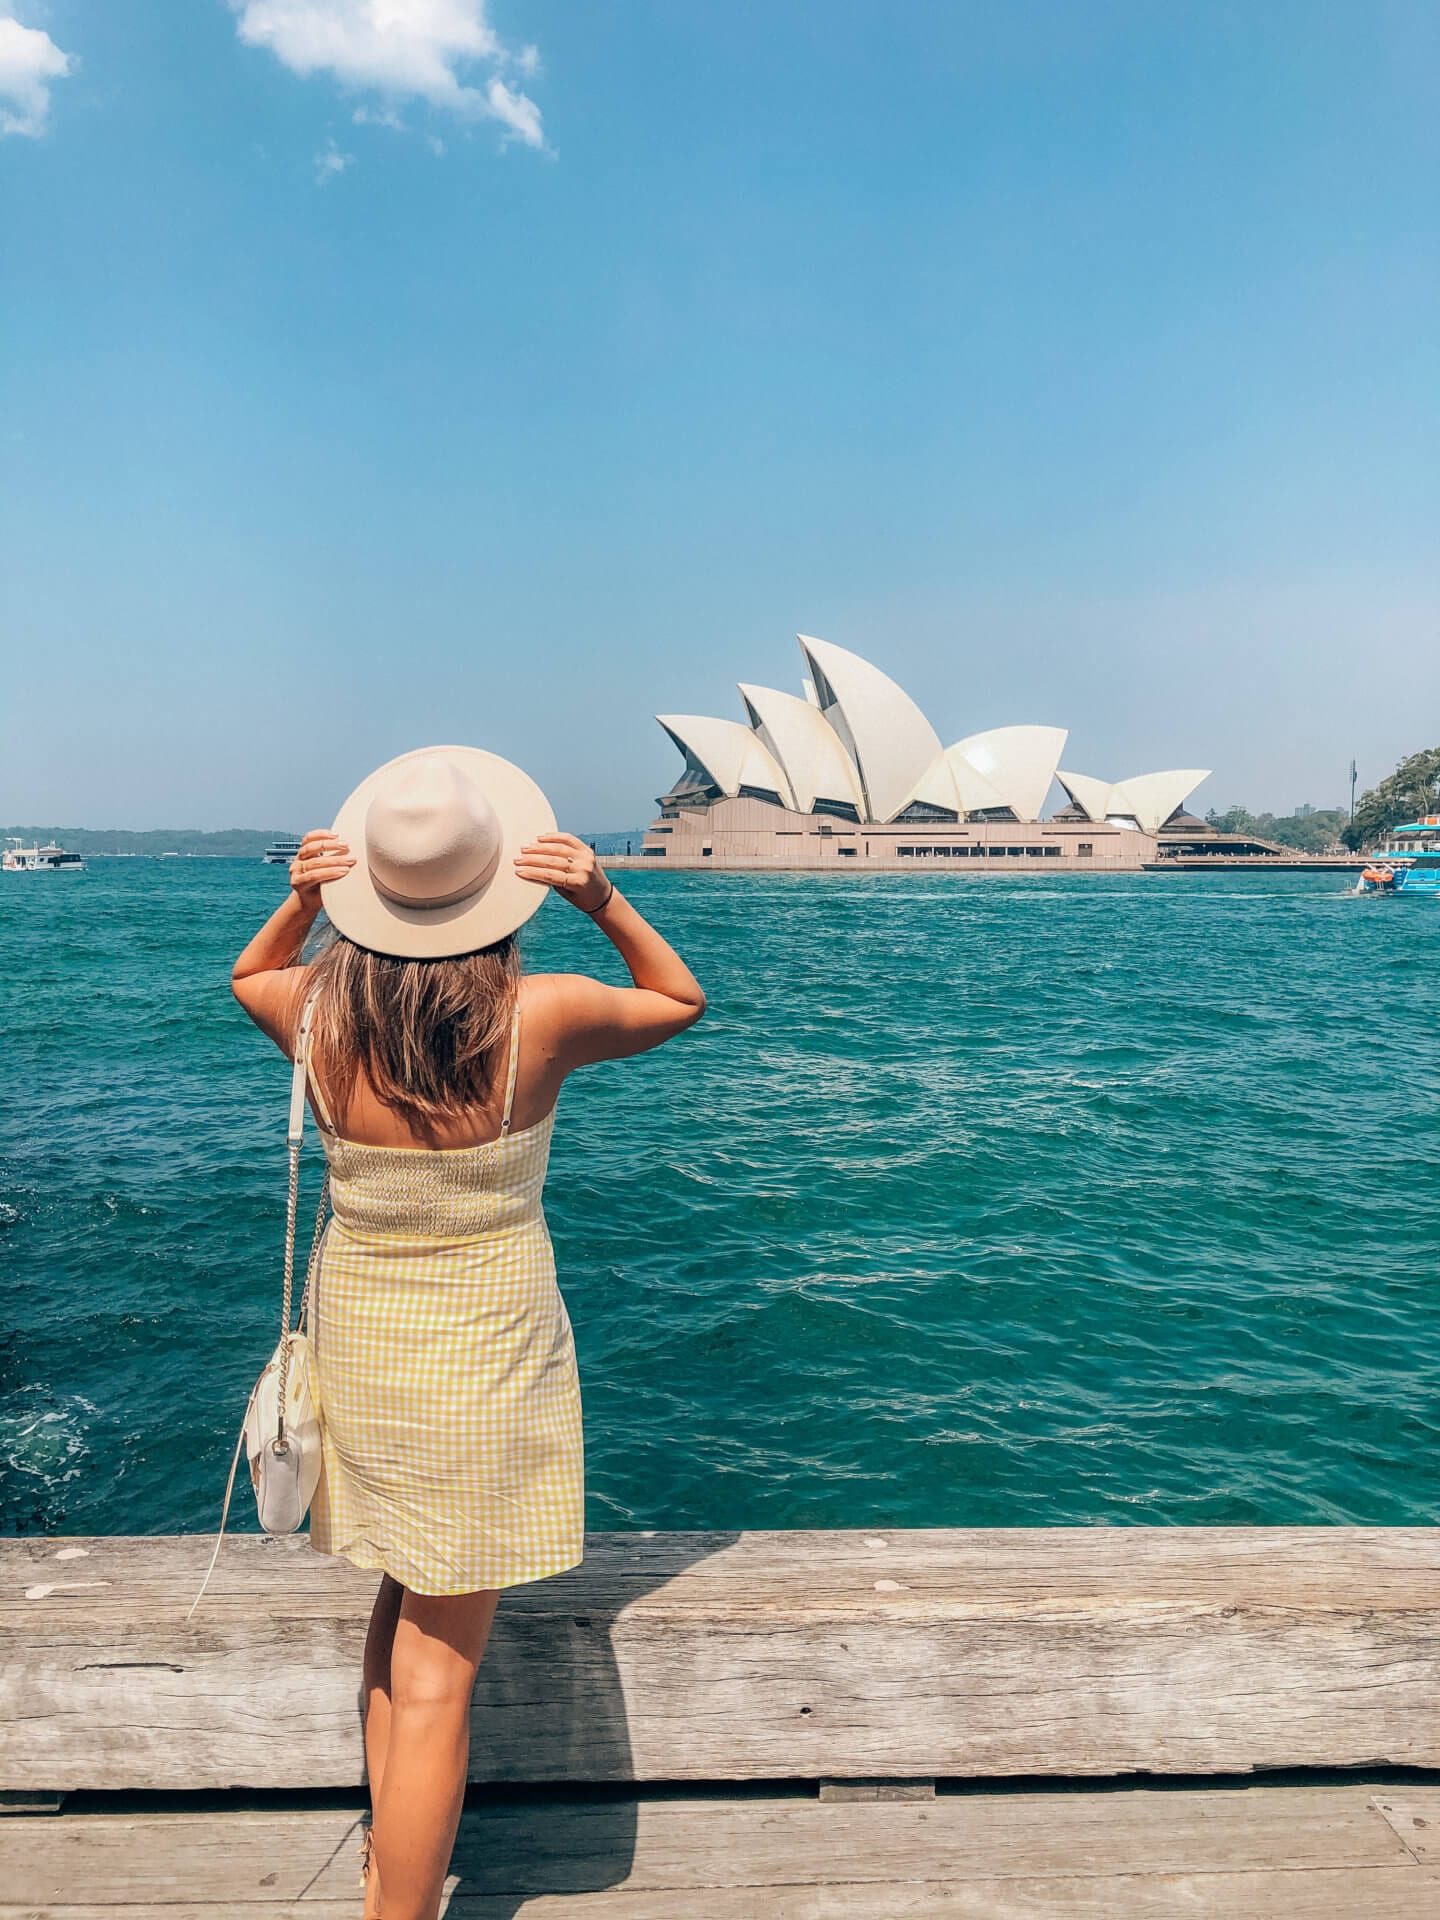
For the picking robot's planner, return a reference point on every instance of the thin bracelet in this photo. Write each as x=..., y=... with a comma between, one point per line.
x=592, y=911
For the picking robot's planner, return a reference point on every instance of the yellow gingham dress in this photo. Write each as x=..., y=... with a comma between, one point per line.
x=450, y=1402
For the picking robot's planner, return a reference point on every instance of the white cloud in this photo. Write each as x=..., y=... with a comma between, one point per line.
x=29, y=62
x=400, y=49
x=517, y=111
x=330, y=163
x=378, y=117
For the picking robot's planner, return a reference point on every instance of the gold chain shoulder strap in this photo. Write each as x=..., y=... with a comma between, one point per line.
x=294, y=1138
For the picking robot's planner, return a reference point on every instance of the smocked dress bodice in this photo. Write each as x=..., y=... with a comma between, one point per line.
x=449, y=1193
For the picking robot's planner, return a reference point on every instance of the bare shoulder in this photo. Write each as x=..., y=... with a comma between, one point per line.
x=552, y=1007
x=274, y=1000
x=561, y=1000
x=557, y=989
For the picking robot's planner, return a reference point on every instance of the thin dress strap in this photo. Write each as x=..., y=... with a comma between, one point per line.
x=305, y=1046
x=514, y=1064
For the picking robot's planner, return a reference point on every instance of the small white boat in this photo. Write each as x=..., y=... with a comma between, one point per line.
x=18, y=858
x=282, y=850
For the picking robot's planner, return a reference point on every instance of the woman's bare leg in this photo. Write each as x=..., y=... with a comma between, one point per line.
x=436, y=1650
x=378, y=1641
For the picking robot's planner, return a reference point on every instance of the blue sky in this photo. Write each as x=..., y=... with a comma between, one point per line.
x=523, y=371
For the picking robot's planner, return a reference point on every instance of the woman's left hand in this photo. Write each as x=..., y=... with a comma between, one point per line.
x=322, y=858
x=562, y=861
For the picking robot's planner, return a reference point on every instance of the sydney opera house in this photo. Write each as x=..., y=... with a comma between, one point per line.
x=850, y=771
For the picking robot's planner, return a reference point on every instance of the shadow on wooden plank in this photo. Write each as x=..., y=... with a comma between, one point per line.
x=572, y=1688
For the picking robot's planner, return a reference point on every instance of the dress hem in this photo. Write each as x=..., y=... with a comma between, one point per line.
x=376, y=1564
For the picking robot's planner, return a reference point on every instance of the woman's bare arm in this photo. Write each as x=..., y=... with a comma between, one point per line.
x=267, y=978
x=595, y=1021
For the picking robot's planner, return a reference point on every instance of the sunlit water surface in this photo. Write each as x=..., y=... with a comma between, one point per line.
x=971, y=1202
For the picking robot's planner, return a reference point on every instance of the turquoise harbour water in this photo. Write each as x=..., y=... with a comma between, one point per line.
x=971, y=1202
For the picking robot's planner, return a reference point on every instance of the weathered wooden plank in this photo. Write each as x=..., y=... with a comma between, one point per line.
x=231, y=1858
x=238, y=1860
x=1064, y=1651
x=1375, y=1893
x=1384, y=1567
x=1414, y=1814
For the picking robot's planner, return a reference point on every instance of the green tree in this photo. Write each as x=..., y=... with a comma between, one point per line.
x=1309, y=829
x=1233, y=820
x=1409, y=793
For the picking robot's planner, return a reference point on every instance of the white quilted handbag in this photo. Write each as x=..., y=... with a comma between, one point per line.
x=281, y=1429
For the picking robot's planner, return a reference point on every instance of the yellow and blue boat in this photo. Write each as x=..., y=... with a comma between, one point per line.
x=1409, y=864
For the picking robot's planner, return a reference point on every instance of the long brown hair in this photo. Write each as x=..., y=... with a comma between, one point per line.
x=427, y=1034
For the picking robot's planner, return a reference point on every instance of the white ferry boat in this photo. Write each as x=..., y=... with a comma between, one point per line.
x=1409, y=865
x=18, y=858
x=282, y=850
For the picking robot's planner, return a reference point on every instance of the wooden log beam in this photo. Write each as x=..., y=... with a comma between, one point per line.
x=748, y=1854
x=885, y=1655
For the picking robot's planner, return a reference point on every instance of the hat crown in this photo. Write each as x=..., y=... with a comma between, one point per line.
x=431, y=836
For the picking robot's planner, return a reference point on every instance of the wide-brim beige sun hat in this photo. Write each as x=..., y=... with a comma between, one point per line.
x=435, y=834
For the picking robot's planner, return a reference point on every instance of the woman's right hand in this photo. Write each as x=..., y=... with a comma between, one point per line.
x=322, y=858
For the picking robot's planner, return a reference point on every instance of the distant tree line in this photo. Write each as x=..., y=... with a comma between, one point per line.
x=234, y=843
x=1308, y=829
x=231, y=843
x=1411, y=792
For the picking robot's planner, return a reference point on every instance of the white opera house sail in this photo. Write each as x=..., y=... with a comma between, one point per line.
x=849, y=771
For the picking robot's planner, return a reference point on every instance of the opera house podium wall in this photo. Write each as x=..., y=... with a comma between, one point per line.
x=749, y=833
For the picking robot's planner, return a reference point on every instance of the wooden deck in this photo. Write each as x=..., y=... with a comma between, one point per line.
x=1004, y=1652
x=788, y=1726
x=1346, y=1852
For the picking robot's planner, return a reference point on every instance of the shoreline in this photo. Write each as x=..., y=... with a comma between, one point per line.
x=1009, y=869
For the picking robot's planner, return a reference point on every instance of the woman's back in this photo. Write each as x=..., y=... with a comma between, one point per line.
x=408, y=1188
x=523, y=1080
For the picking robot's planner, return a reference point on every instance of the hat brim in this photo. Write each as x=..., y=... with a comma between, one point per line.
x=357, y=909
